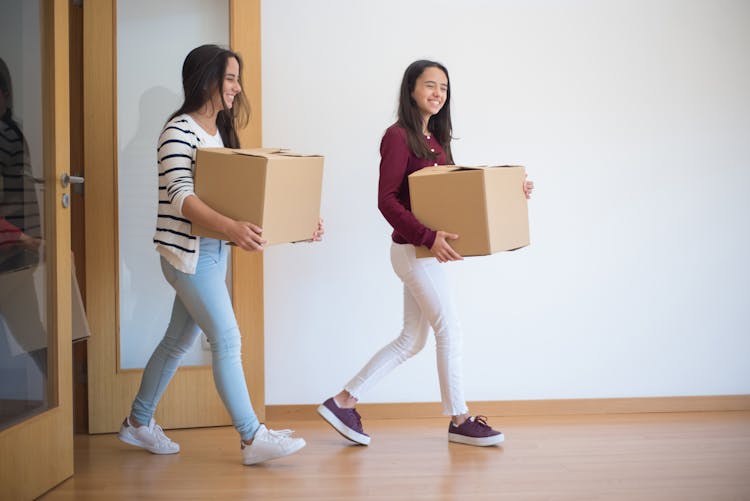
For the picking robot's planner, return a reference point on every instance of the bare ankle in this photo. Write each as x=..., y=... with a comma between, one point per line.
x=459, y=419
x=345, y=400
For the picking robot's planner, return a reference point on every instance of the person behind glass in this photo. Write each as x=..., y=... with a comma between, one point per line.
x=20, y=236
x=196, y=267
x=420, y=138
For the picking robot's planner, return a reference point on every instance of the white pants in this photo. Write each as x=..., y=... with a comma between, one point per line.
x=428, y=302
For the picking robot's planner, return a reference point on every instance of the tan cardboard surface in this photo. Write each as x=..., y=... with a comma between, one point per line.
x=275, y=189
x=507, y=208
x=485, y=206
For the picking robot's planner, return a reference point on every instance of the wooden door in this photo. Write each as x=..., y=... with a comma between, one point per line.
x=37, y=450
x=191, y=399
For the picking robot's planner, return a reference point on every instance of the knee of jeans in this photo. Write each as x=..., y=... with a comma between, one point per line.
x=228, y=341
x=446, y=326
x=417, y=346
x=175, y=347
x=409, y=346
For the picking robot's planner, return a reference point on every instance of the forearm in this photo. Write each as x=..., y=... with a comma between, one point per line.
x=198, y=212
x=405, y=222
x=8, y=232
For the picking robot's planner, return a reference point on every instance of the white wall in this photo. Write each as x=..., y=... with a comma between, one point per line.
x=632, y=118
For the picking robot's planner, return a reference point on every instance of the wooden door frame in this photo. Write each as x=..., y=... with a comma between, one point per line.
x=111, y=389
x=37, y=453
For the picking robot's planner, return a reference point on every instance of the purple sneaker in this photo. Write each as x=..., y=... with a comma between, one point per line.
x=345, y=421
x=474, y=431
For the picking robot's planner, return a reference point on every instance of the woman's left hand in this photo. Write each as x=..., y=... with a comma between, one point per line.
x=318, y=234
x=528, y=187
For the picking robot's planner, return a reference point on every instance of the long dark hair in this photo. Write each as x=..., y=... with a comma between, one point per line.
x=6, y=87
x=202, y=73
x=410, y=118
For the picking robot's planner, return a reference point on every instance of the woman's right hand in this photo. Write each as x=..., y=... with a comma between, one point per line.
x=442, y=250
x=246, y=236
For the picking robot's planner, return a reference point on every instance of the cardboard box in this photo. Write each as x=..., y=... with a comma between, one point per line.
x=276, y=189
x=485, y=206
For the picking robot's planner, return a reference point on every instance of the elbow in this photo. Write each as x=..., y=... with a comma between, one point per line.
x=385, y=207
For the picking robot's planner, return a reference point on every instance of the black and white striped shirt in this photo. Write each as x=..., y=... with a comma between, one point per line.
x=176, y=159
x=19, y=208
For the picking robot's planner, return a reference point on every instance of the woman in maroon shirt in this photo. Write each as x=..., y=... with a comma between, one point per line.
x=420, y=138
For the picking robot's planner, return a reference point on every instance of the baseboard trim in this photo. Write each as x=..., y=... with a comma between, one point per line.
x=510, y=408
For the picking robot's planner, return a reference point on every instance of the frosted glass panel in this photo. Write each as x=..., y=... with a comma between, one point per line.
x=153, y=39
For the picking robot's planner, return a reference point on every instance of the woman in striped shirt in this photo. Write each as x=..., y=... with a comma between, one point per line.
x=196, y=267
x=20, y=239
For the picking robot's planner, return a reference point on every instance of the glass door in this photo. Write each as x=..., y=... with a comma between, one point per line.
x=36, y=434
x=23, y=262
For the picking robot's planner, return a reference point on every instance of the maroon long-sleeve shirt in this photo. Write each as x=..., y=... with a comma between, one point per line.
x=396, y=163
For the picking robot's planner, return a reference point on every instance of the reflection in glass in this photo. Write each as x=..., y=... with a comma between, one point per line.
x=23, y=336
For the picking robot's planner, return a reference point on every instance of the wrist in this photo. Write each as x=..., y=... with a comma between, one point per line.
x=429, y=242
x=224, y=227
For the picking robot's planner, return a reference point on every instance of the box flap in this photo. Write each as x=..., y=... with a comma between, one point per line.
x=442, y=169
x=438, y=169
x=287, y=153
x=223, y=151
x=270, y=153
x=484, y=167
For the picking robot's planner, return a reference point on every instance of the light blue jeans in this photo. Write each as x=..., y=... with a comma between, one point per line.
x=202, y=303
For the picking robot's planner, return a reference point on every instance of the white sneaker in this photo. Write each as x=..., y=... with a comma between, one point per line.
x=151, y=437
x=270, y=444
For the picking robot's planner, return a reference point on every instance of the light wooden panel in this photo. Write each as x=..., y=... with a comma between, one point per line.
x=191, y=399
x=101, y=254
x=245, y=39
x=247, y=268
x=531, y=407
x=37, y=454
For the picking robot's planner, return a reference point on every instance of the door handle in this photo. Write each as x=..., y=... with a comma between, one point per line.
x=66, y=179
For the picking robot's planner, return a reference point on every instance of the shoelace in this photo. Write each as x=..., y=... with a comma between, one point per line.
x=480, y=421
x=276, y=436
x=159, y=434
x=280, y=433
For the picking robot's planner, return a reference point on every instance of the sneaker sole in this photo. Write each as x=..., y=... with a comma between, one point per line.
x=342, y=428
x=137, y=443
x=479, y=442
x=296, y=448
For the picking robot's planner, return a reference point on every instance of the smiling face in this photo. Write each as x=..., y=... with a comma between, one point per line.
x=230, y=86
x=430, y=92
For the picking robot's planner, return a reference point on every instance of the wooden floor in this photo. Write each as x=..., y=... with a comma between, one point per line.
x=680, y=456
